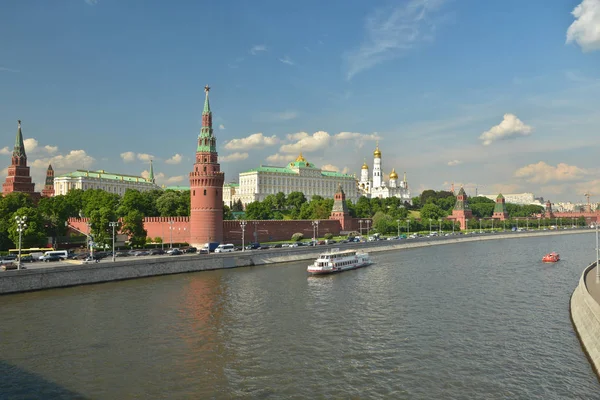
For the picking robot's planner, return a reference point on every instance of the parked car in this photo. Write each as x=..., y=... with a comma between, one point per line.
x=51, y=258
x=174, y=252
x=253, y=246
x=191, y=250
x=157, y=252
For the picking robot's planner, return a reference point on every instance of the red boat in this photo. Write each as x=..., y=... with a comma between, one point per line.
x=551, y=257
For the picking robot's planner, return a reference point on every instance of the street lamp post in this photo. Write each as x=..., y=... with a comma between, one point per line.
x=398, y=221
x=171, y=234
x=360, y=222
x=480, y=230
x=527, y=222
x=430, y=226
x=90, y=240
x=492, y=225
x=368, y=226
x=467, y=224
x=21, y=226
x=453, y=227
x=315, y=225
x=440, y=226
x=243, y=226
x=408, y=227
x=113, y=225
x=503, y=225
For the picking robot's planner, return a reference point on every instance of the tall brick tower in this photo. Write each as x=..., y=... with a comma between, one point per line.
x=206, y=186
x=340, y=209
x=461, y=211
x=48, y=190
x=500, y=208
x=18, y=179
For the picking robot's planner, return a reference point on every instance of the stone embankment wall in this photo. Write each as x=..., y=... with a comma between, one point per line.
x=585, y=315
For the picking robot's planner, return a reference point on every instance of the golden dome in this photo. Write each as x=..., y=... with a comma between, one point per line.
x=393, y=174
x=300, y=158
x=377, y=153
x=365, y=166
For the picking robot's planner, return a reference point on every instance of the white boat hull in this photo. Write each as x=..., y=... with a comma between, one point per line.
x=326, y=265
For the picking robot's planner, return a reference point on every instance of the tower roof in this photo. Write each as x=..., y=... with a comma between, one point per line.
x=206, y=102
x=300, y=158
x=50, y=167
x=151, y=174
x=19, y=149
x=377, y=152
x=365, y=166
x=393, y=174
x=500, y=197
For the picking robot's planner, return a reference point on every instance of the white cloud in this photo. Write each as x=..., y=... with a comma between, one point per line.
x=9, y=69
x=30, y=145
x=176, y=159
x=330, y=167
x=145, y=157
x=222, y=127
x=254, y=141
x=75, y=159
x=297, y=135
x=510, y=127
x=453, y=163
x=389, y=33
x=176, y=179
x=128, y=156
x=259, y=48
x=279, y=159
x=4, y=173
x=5, y=151
x=585, y=30
x=544, y=173
x=286, y=60
x=358, y=138
x=308, y=143
x=51, y=149
x=234, y=157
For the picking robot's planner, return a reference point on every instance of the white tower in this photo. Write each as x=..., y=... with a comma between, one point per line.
x=377, y=167
x=364, y=173
x=393, y=178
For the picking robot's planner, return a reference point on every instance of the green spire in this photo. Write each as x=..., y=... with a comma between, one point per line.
x=151, y=174
x=206, y=102
x=19, y=150
x=206, y=140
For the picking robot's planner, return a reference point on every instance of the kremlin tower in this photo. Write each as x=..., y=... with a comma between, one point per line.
x=18, y=179
x=340, y=209
x=206, y=186
x=49, y=185
x=461, y=212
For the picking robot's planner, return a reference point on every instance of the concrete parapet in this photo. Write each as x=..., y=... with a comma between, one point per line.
x=585, y=315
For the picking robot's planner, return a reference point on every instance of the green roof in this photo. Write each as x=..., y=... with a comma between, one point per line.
x=19, y=149
x=101, y=174
x=288, y=170
x=232, y=184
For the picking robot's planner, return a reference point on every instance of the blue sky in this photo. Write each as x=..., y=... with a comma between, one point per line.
x=499, y=95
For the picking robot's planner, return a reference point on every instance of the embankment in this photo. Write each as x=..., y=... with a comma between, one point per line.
x=585, y=315
x=49, y=277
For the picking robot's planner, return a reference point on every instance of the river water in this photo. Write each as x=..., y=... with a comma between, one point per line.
x=480, y=320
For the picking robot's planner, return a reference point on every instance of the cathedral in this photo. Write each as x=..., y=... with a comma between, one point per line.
x=377, y=187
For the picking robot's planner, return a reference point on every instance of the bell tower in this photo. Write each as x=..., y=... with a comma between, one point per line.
x=206, y=186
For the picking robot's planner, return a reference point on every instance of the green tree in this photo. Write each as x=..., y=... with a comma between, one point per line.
x=9, y=204
x=258, y=210
x=280, y=200
x=363, y=208
x=431, y=211
x=134, y=200
x=227, y=215
x=133, y=226
x=298, y=236
x=237, y=206
x=33, y=235
x=100, y=229
x=295, y=200
x=383, y=223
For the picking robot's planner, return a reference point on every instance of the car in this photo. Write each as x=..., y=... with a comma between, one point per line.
x=191, y=250
x=51, y=258
x=253, y=246
x=174, y=252
x=278, y=246
x=157, y=252
x=203, y=250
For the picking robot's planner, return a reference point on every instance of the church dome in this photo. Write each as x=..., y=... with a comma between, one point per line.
x=300, y=158
x=393, y=174
x=365, y=166
x=377, y=153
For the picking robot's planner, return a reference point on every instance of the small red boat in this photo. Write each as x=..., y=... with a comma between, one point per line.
x=551, y=257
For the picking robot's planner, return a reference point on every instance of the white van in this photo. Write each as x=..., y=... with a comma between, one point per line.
x=224, y=248
x=63, y=254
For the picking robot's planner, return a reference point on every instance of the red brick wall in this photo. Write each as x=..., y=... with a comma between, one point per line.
x=266, y=230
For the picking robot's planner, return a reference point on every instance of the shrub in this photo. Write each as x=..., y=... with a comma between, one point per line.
x=298, y=236
x=328, y=236
x=158, y=239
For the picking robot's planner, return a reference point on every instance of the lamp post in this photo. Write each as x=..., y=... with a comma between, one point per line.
x=171, y=234
x=453, y=227
x=21, y=226
x=480, y=230
x=430, y=226
x=360, y=222
x=440, y=226
x=368, y=226
x=90, y=240
x=243, y=226
x=492, y=225
x=315, y=225
x=113, y=225
x=467, y=224
x=503, y=225
x=527, y=222
x=408, y=227
x=398, y=221
x=556, y=222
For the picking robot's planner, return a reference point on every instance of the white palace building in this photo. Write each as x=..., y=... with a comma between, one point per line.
x=377, y=187
x=297, y=176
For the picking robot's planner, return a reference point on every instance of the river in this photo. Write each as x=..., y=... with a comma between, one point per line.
x=478, y=320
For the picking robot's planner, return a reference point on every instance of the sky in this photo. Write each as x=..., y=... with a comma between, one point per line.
x=498, y=96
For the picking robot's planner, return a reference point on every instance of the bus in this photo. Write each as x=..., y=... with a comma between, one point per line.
x=27, y=252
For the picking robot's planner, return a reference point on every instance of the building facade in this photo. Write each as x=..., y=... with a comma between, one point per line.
x=18, y=178
x=229, y=191
x=206, y=186
x=107, y=181
x=376, y=186
x=517, y=198
x=297, y=176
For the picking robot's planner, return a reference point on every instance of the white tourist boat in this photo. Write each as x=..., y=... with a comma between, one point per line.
x=338, y=261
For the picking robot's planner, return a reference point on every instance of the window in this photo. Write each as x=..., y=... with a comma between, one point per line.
x=205, y=168
x=193, y=192
x=205, y=192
